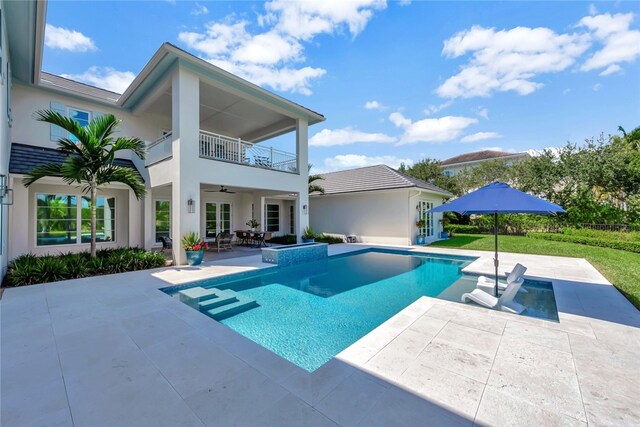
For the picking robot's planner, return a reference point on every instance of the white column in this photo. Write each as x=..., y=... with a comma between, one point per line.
x=302, y=199
x=185, y=114
x=258, y=211
x=149, y=220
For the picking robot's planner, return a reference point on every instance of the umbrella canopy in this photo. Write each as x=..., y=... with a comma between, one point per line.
x=498, y=198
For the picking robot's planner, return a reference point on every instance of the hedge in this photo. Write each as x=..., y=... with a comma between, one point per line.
x=590, y=241
x=31, y=269
x=464, y=229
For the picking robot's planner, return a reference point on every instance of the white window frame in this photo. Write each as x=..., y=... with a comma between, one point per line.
x=266, y=225
x=78, y=197
x=155, y=241
x=429, y=228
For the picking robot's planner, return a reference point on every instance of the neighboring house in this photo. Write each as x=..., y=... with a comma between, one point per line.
x=457, y=164
x=208, y=168
x=377, y=204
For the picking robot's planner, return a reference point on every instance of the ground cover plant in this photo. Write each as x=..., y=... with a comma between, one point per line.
x=621, y=268
x=31, y=269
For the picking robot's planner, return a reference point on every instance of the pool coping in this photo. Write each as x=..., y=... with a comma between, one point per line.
x=135, y=335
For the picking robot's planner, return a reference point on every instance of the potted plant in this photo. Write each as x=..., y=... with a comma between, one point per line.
x=445, y=222
x=421, y=223
x=253, y=224
x=308, y=236
x=194, y=246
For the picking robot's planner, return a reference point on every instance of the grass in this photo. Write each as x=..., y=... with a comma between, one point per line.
x=621, y=268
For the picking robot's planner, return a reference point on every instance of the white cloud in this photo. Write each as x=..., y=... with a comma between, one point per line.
x=620, y=44
x=432, y=109
x=483, y=112
x=566, y=91
x=271, y=56
x=350, y=161
x=347, y=136
x=508, y=60
x=596, y=87
x=105, y=78
x=592, y=9
x=199, y=9
x=480, y=136
x=404, y=2
x=441, y=129
x=65, y=39
x=374, y=105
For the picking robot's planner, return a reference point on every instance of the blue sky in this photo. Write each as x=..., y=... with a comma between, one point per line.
x=397, y=81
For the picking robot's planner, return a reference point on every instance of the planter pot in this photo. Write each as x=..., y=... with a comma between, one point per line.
x=444, y=235
x=420, y=240
x=308, y=240
x=194, y=257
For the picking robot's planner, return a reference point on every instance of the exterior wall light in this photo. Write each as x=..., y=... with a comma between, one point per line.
x=191, y=206
x=305, y=209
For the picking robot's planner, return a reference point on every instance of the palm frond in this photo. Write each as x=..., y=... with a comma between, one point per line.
x=43, y=171
x=65, y=123
x=134, y=144
x=101, y=128
x=123, y=175
x=313, y=188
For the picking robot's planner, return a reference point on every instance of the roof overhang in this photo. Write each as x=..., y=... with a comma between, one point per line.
x=25, y=22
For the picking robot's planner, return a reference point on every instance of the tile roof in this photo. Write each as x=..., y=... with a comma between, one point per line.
x=26, y=157
x=53, y=81
x=372, y=178
x=478, y=155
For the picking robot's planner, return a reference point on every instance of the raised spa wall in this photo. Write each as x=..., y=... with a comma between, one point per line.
x=295, y=254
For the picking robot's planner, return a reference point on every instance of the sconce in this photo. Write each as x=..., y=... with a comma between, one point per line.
x=6, y=194
x=191, y=206
x=305, y=209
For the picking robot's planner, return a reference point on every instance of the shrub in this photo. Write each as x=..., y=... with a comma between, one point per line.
x=591, y=241
x=289, y=239
x=31, y=269
x=602, y=234
x=323, y=238
x=465, y=229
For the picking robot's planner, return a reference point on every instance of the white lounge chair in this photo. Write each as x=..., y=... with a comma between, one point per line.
x=504, y=303
x=488, y=284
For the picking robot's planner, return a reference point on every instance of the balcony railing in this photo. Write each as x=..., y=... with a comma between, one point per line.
x=235, y=150
x=159, y=149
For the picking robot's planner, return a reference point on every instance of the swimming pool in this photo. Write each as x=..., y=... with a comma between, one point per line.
x=310, y=312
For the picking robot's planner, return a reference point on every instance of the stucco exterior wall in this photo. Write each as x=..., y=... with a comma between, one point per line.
x=384, y=217
x=5, y=141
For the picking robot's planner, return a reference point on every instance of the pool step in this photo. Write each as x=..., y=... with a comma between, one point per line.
x=241, y=305
x=216, y=303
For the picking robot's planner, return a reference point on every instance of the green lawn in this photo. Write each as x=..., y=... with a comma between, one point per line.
x=619, y=267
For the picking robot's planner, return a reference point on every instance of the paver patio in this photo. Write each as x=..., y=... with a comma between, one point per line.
x=114, y=350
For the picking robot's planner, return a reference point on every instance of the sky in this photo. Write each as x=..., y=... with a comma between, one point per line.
x=398, y=81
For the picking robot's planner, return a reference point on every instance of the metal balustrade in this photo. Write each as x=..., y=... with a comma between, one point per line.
x=219, y=147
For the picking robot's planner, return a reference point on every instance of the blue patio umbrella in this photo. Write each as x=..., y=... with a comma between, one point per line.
x=498, y=198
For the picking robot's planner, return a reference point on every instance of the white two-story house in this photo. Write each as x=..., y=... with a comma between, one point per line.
x=209, y=166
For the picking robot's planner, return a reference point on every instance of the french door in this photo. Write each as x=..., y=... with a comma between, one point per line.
x=423, y=213
x=217, y=218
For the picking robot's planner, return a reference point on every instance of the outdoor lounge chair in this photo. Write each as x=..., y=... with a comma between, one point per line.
x=487, y=284
x=223, y=241
x=167, y=243
x=504, y=303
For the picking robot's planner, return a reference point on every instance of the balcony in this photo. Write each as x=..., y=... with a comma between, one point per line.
x=226, y=149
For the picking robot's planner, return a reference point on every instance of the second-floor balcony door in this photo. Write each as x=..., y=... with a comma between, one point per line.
x=217, y=218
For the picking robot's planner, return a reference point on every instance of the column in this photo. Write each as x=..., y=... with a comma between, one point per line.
x=185, y=114
x=149, y=219
x=302, y=199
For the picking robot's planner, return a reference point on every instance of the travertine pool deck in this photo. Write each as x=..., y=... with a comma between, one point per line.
x=114, y=350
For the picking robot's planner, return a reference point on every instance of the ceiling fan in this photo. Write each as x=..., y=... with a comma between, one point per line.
x=222, y=189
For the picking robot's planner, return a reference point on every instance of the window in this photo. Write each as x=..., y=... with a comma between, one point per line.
x=57, y=220
x=292, y=219
x=272, y=217
x=81, y=117
x=423, y=208
x=163, y=219
x=211, y=220
x=105, y=219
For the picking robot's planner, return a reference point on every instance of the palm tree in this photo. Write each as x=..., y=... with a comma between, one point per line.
x=315, y=188
x=89, y=159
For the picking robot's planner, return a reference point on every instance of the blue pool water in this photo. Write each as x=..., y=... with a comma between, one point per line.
x=310, y=312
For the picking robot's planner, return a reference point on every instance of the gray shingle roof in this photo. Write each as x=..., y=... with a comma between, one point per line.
x=372, y=178
x=26, y=157
x=51, y=80
x=479, y=155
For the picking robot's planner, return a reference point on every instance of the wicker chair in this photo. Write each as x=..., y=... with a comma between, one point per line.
x=223, y=241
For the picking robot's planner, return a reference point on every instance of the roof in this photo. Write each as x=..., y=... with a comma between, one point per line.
x=372, y=178
x=478, y=156
x=81, y=89
x=26, y=157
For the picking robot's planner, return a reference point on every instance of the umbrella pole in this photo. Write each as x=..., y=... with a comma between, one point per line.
x=495, y=259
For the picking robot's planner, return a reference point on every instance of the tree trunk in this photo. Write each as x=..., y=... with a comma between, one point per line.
x=94, y=199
